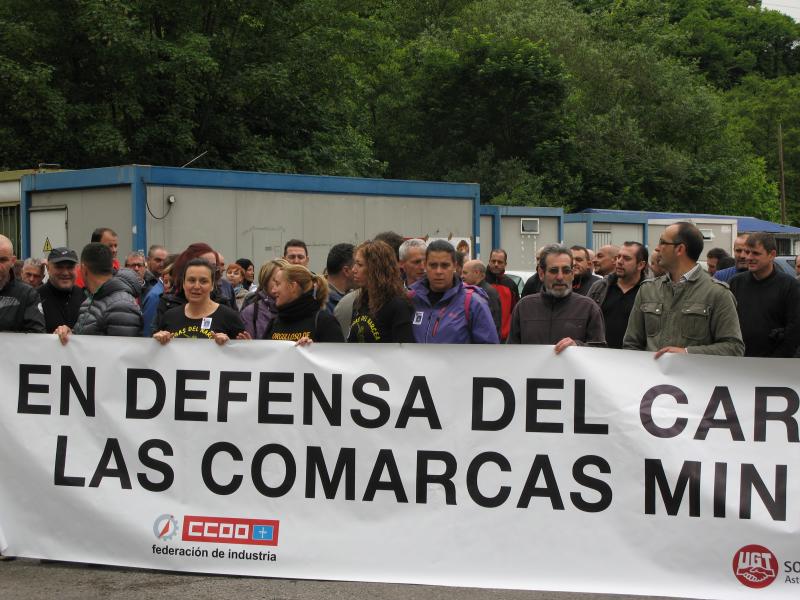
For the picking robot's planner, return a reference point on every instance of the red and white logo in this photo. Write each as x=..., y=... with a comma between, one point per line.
x=229, y=530
x=755, y=566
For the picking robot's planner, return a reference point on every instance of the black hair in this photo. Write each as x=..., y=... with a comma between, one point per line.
x=642, y=255
x=765, y=239
x=691, y=237
x=201, y=262
x=441, y=246
x=339, y=257
x=295, y=244
x=393, y=239
x=97, y=234
x=97, y=258
x=726, y=262
x=717, y=253
x=498, y=250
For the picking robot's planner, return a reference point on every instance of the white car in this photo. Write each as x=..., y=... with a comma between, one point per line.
x=520, y=278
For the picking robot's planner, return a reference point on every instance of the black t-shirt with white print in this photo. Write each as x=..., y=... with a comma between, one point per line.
x=223, y=320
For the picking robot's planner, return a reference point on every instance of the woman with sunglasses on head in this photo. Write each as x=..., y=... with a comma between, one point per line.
x=201, y=316
x=382, y=312
x=300, y=298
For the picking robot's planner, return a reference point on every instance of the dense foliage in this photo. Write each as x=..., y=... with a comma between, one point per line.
x=639, y=104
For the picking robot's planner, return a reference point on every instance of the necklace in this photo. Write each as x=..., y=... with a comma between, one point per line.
x=206, y=309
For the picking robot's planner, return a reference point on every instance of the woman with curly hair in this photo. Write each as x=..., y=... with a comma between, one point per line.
x=382, y=312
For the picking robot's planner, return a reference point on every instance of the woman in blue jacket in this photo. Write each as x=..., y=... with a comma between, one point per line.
x=446, y=310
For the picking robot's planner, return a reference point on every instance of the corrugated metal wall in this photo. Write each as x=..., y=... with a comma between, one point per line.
x=9, y=224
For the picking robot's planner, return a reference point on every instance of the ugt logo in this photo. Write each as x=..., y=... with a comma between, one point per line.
x=755, y=566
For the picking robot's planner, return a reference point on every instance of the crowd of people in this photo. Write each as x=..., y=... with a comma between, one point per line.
x=391, y=289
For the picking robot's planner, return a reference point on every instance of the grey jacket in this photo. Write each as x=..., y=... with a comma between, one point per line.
x=698, y=314
x=600, y=287
x=112, y=309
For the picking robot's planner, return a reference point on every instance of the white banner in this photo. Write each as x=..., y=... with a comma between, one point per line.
x=503, y=467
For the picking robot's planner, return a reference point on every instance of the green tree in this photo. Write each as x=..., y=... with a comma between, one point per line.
x=727, y=39
x=469, y=102
x=758, y=106
x=258, y=85
x=641, y=130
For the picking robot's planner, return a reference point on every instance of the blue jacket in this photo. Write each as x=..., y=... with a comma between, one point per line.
x=150, y=306
x=447, y=322
x=727, y=274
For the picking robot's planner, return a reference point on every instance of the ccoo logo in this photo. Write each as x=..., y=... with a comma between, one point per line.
x=165, y=527
x=755, y=566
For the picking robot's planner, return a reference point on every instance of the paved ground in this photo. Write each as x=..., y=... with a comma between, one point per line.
x=24, y=579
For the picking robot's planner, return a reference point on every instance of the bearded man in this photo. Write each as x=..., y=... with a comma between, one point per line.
x=556, y=315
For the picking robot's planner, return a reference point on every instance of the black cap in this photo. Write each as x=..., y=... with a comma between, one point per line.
x=58, y=255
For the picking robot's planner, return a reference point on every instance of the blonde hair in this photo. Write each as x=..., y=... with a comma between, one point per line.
x=308, y=282
x=267, y=270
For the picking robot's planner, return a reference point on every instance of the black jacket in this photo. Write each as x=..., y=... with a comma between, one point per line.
x=769, y=313
x=304, y=318
x=60, y=307
x=19, y=308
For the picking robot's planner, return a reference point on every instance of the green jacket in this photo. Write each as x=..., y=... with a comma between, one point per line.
x=698, y=314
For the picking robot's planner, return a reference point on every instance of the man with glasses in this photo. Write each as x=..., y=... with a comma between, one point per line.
x=135, y=262
x=685, y=310
x=556, y=315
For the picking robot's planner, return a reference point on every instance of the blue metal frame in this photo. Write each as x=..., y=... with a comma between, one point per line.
x=138, y=177
x=590, y=218
x=497, y=212
x=745, y=223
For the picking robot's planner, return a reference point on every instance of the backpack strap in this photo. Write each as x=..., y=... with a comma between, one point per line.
x=255, y=315
x=467, y=303
x=316, y=320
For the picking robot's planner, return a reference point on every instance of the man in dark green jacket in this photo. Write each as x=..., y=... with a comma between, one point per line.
x=684, y=311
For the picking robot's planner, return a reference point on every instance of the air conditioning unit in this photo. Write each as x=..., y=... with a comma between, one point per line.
x=529, y=226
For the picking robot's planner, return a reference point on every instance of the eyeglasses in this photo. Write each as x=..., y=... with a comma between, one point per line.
x=555, y=270
x=663, y=242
